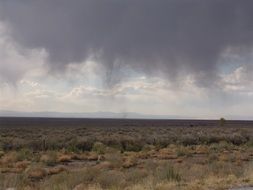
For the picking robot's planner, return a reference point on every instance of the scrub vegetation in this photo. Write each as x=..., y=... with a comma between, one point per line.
x=128, y=157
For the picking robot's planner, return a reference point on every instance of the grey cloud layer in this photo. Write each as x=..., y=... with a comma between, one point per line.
x=150, y=36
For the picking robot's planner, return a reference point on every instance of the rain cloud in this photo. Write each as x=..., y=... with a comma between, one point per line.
x=155, y=37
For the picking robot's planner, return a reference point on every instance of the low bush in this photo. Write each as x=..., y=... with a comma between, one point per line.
x=132, y=145
x=85, y=144
x=99, y=148
x=188, y=140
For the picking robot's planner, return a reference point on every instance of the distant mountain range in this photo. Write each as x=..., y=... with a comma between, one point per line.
x=127, y=115
x=6, y=113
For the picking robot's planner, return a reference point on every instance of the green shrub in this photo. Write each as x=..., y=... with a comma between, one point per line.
x=189, y=140
x=72, y=148
x=237, y=139
x=24, y=154
x=147, y=148
x=221, y=146
x=1, y=153
x=99, y=148
x=85, y=144
x=132, y=145
x=250, y=142
x=222, y=122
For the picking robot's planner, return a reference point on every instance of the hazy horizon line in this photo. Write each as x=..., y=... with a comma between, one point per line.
x=111, y=115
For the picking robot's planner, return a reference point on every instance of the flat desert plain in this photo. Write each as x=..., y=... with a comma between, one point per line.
x=131, y=154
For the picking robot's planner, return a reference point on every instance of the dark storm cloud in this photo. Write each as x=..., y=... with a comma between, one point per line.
x=150, y=36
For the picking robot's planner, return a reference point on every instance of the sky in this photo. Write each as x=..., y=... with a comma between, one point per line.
x=187, y=58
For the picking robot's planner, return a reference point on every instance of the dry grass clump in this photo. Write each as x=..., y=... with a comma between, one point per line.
x=9, y=158
x=202, y=149
x=130, y=161
x=166, y=153
x=248, y=175
x=22, y=164
x=56, y=170
x=12, y=180
x=87, y=187
x=86, y=156
x=115, y=160
x=224, y=157
x=111, y=179
x=184, y=151
x=167, y=186
x=37, y=173
x=136, y=175
x=222, y=183
x=153, y=175
x=64, y=158
x=69, y=180
x=167, y=173
x=49, y=158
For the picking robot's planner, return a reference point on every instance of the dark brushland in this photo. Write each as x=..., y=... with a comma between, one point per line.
x=118, y=122
x=81, y=153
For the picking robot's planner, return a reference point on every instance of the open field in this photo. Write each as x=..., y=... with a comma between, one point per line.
x=77, y=154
